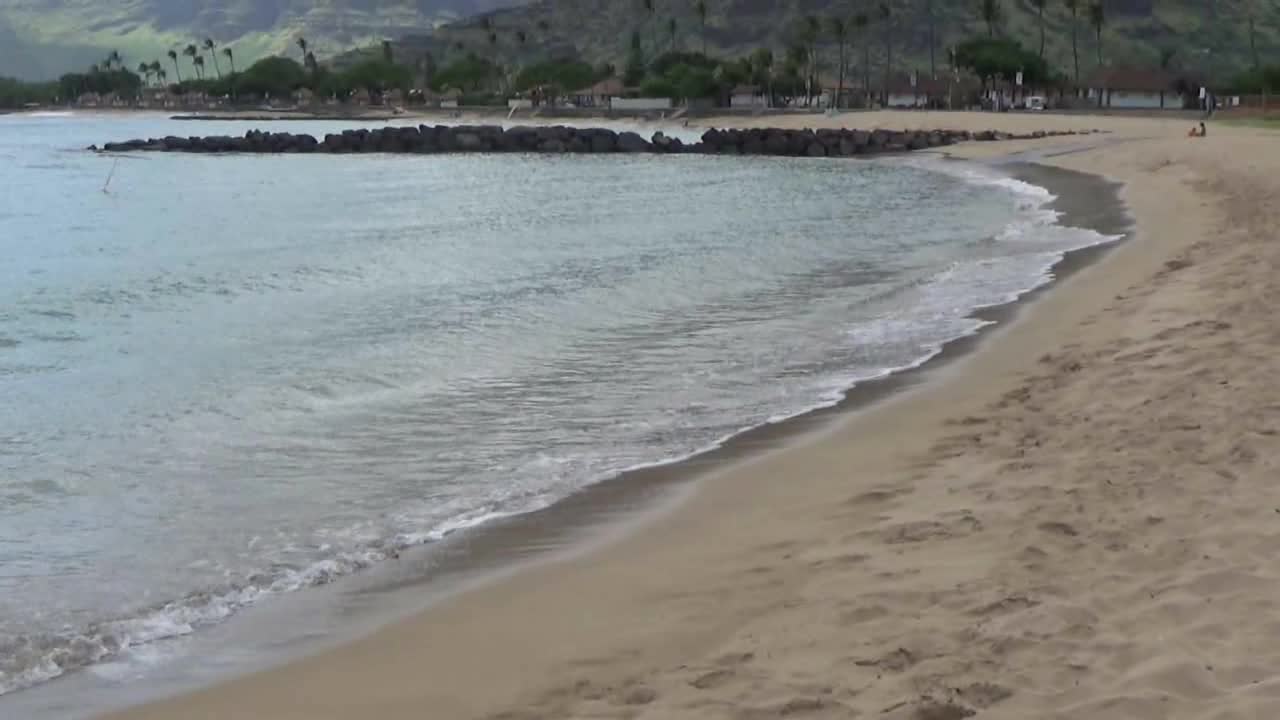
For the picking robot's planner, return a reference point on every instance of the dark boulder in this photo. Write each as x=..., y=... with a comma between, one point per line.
x=604, y=141
x=816, y=149
x=776, y=143
x=466, y=141
x=629, y=142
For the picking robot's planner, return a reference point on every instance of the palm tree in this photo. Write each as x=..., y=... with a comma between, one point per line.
x=302, y=45
x=192, y=51
x=1252, y=9
x=1039, y=6
x=840, y=31
x=991, y=15
x=700, y=7
x=860, y=24
x=163, y=77
x=310, y=63
x=932, y=17
x=811, y=31
x=493, y=52
x=114, y=60
x=173, y=55
x=231, y=58
x=1097, y=18
x=886, y=16
x=210, y=45
x=672, y=28
x=651, y=9
x=1074, y=7
x=198, y=61
x=144, y=70
x=156, y=69
x=762, y=64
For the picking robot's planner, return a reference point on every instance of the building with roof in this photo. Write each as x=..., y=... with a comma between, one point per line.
x=1139, y=88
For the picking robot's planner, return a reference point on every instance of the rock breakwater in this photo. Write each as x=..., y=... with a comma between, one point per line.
x=425, y=140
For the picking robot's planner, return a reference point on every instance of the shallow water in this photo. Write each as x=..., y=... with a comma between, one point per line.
x=227, y=378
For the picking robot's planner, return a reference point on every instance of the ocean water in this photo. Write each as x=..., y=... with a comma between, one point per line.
x=227, y=379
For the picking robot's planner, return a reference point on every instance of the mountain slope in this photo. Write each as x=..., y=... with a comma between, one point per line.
x=1205, y=36
x=49, y=37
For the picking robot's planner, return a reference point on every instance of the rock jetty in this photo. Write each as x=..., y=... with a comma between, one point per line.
x=426, y=140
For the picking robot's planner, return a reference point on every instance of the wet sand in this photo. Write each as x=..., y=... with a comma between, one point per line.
x=1075, y=520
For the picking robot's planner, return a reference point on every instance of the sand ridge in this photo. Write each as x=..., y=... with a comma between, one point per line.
x=1077, y=521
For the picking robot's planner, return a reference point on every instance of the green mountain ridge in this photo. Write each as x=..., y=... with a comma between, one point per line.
x=41, y=39
x=1211, y=38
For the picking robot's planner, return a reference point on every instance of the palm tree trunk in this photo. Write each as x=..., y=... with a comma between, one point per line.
x=177, y=70
x=1253, y=43
x=933, y=44
x=866, y=70
x=840, y=75
x=888, y=63
x=1075, y=47
x=1041, y=32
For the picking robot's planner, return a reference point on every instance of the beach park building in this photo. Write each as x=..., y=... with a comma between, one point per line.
x=748, y=96
x=641, y=103
x=1137, y=88
x=598, y=95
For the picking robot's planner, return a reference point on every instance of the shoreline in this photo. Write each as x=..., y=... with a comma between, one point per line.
x=610, y=509
x=634, y=499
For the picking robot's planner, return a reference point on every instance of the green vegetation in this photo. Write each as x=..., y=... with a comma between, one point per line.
x=101, y=81
x=1257, y=81
x=564, y=75
x=273, y=77
x=50, y=37
x=882, y=38
x=15, y=93
x=994, y=59
x=557, y=46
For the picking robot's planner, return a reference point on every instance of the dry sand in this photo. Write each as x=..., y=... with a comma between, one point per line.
x=1080, y=520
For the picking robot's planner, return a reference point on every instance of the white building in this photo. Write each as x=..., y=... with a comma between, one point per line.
x=747, y=96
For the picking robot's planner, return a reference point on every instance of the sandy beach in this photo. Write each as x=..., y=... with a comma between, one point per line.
x=1078, y=520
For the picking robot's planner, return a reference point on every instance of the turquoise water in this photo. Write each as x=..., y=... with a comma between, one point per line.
x=225, y=379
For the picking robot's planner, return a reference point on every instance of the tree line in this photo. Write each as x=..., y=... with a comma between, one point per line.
x=501, y=62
